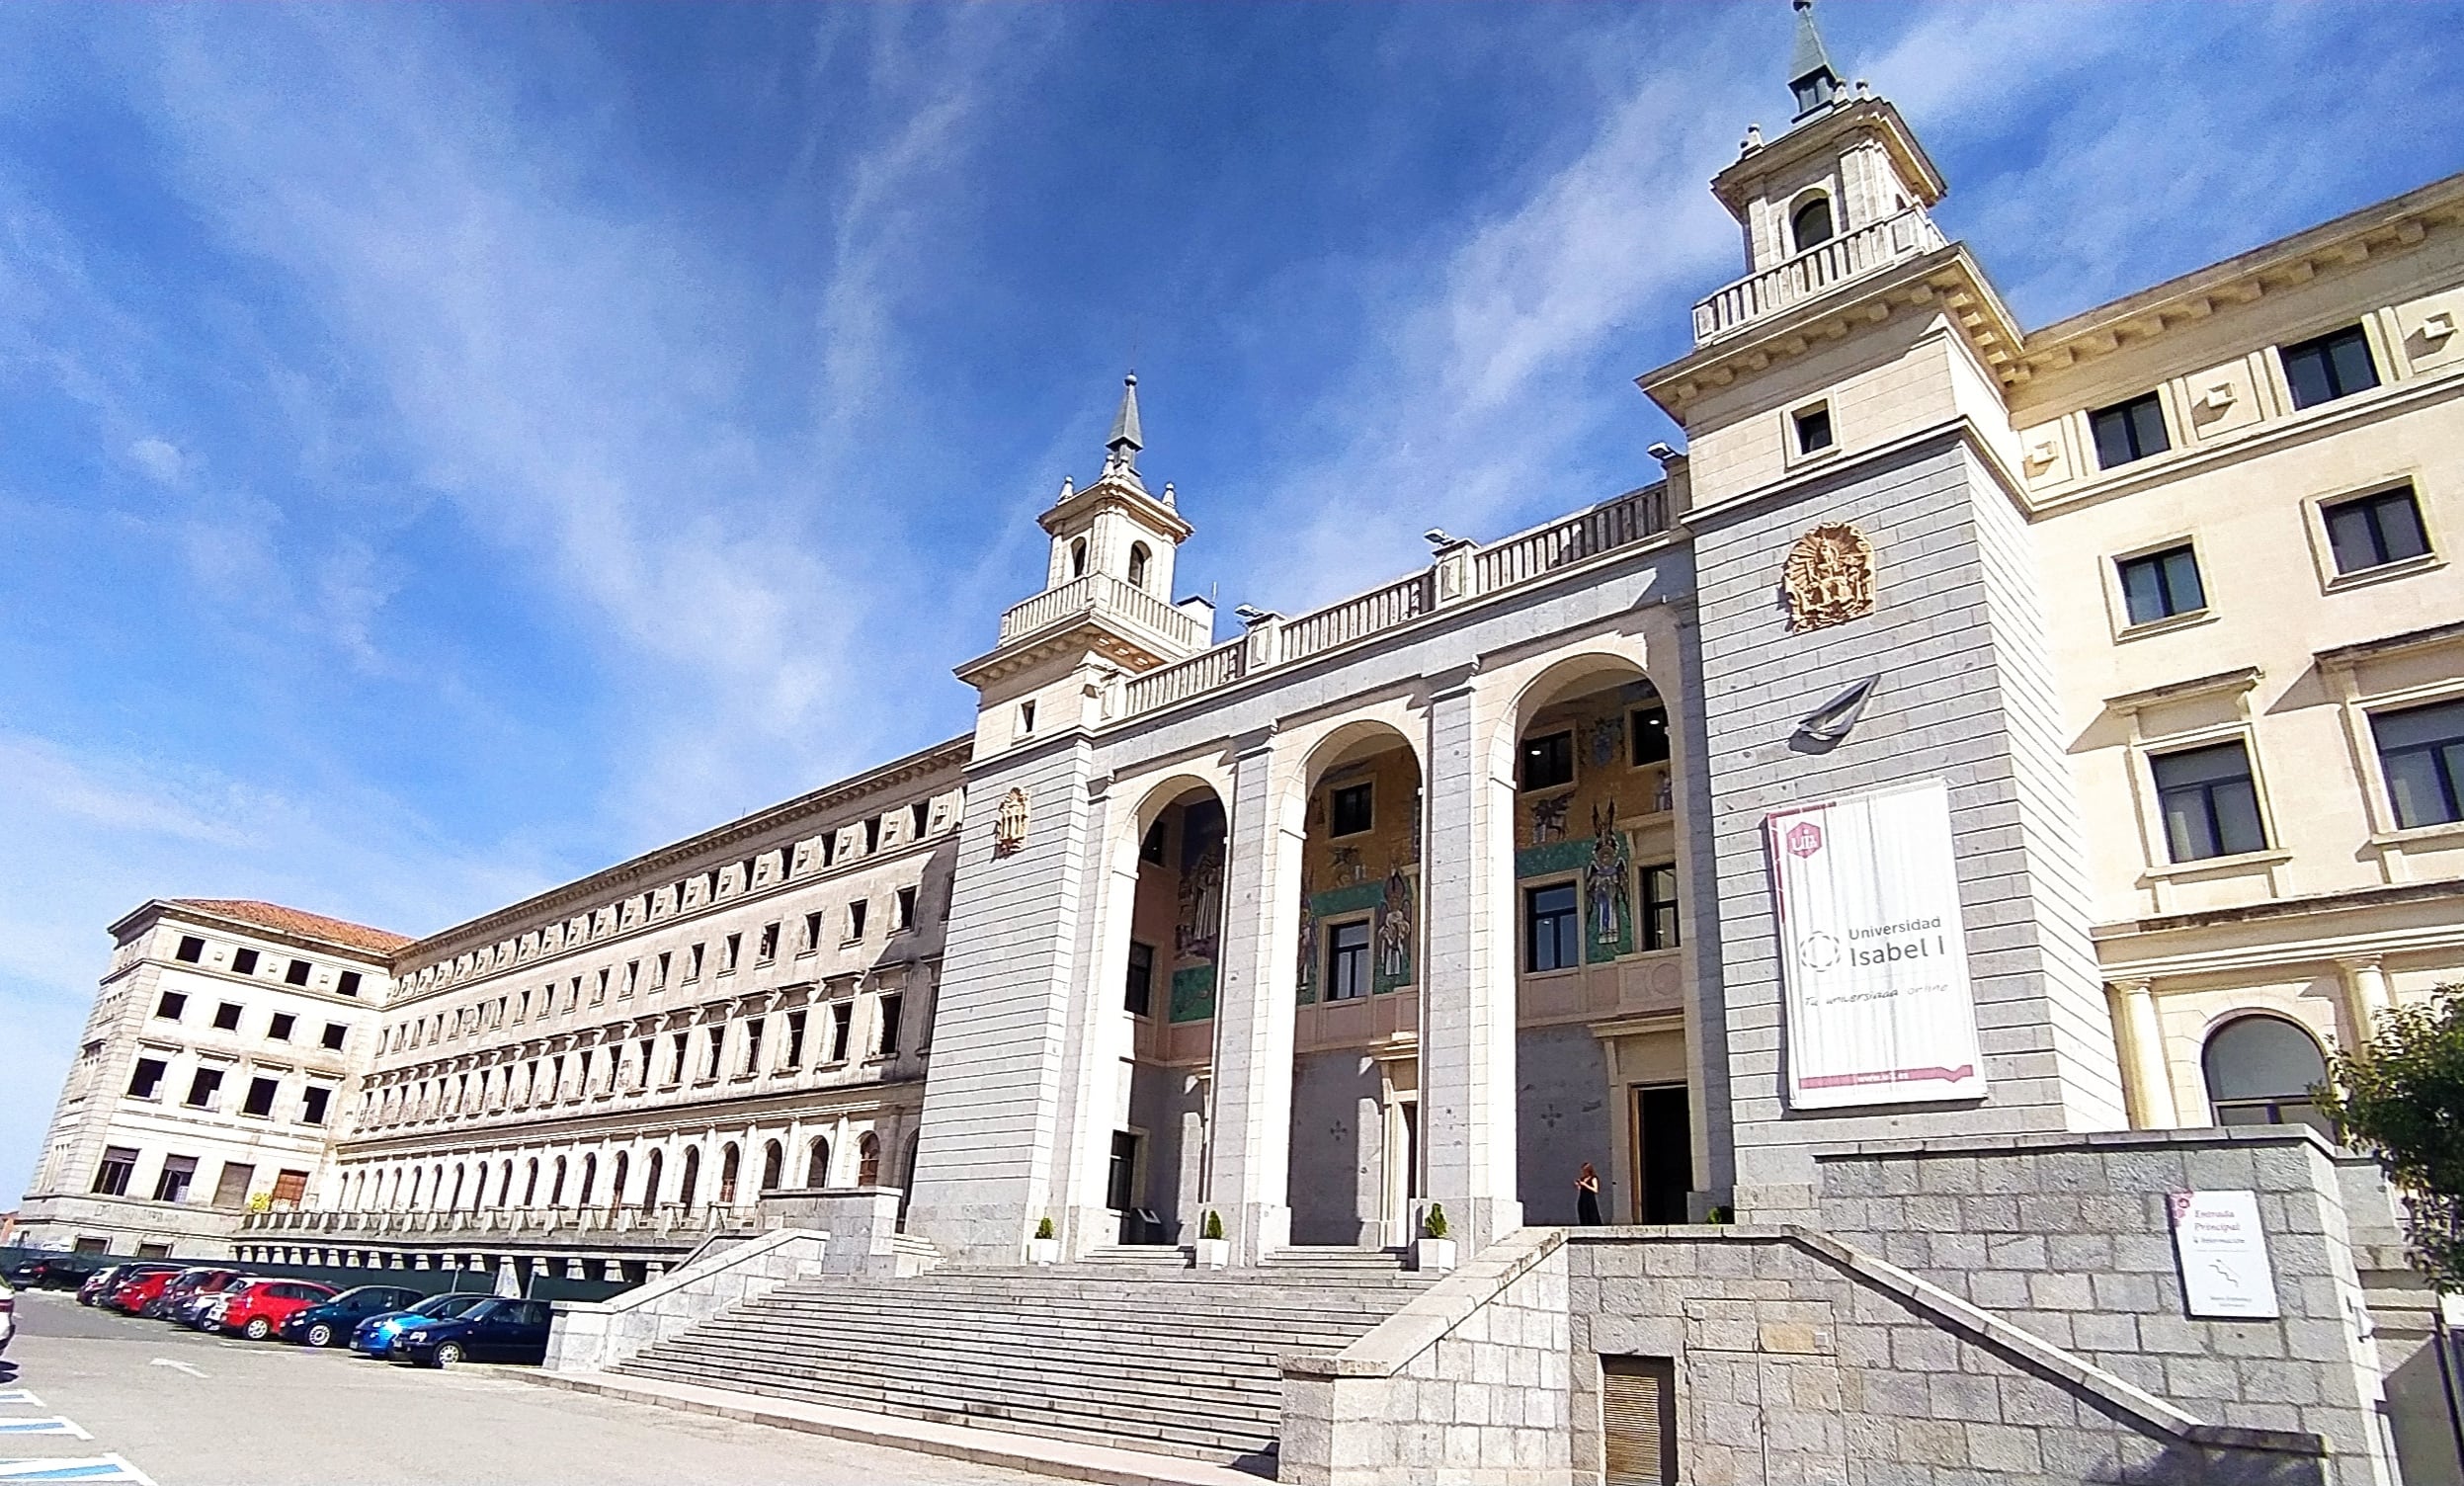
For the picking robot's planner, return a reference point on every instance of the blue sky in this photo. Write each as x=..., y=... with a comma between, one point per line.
x=446, y=450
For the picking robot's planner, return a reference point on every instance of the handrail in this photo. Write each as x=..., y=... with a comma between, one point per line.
x=1804, y=275
x=1094, y=593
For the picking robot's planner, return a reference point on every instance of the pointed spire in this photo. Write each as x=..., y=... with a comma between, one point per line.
x=1811, y=77
x=1125, y=438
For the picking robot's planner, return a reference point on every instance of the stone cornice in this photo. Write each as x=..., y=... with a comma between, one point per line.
x=1083, y=632
x=1112, y=490
x=1873, y=118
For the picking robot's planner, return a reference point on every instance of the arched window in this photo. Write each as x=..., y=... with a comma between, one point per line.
x=869, y=1160
x=456, y=1203
x=2259, y=1071
x=774, y=1160
x=590, y=1179
x=731, y=1162
x=650, y=1181
x=692, y=1176
x=1138, y=555
x=817, y=1165
x=557, y=1189
x=1078, y=558
x=616, y=1187
x=531, y=1187
x=435, y=1186
x=413, y=1203
x=1810, y=224
x=505, y=1185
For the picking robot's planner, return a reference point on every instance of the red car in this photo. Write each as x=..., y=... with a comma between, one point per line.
x=255, y=1308
x=130, y=1295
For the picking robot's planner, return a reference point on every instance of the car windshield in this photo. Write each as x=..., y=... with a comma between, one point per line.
x=447, y=1305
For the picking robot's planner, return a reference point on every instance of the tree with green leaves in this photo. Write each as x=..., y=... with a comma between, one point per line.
x=2399, y=1096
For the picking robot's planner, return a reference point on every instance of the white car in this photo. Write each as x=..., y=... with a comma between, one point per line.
x=7, y=1314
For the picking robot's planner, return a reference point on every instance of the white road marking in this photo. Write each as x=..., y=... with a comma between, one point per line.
x=54, y=1425
x=164, y=1362
x=19, y=1398
x=95, y=1469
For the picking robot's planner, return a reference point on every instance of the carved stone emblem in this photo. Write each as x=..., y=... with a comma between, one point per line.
x=1829, y=577
x=1010, y=824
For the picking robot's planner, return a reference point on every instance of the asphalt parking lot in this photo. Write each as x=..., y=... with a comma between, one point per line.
x=178, y=1408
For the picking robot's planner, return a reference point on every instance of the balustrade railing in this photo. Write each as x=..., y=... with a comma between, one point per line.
x=632, y=1218
x=1102, y=593
x=1807, y=273
x=1340, y=623
x=1602, y=529
x=1203, y=671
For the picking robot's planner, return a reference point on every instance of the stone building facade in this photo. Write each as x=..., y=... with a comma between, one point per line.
x=1446, y=892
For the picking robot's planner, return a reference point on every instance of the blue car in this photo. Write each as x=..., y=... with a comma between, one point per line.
x=331, y=1324
x=495, y=1331
x=375, y=1335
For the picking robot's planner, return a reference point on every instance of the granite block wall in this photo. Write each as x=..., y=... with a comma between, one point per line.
x=595, y=1336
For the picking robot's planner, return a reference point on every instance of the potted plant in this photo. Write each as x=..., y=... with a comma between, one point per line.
x=1434, y=1252
x=1214, y=1251
x=1043, y=1248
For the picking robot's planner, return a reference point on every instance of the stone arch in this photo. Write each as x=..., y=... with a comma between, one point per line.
x=817, y=1163
x=557, y=1187
x=869, y=1160
x=1813, y=219
x=730, y=1167
x=505, y=1184
x=2259, y=1068
x=455, y=1204
x=650, y=1178
x=1139, y=559
x=692, y=1177
x=616, y=1179
x=531, y=1183
x=774, y=1165
x=590, y=1179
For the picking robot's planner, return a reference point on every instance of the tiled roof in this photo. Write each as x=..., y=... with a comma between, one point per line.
x=298, y=921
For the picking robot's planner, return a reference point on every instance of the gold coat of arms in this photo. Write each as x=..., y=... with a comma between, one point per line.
x=1829, y=577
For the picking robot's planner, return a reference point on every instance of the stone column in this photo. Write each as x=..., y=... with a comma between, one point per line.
x=2363, y=981
x=1100, y=1036
x=1255, y=1014
x=1467, y=1005
x=2147, y=1076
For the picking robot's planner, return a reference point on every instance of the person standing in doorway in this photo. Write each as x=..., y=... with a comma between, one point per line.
x=1586, y=1197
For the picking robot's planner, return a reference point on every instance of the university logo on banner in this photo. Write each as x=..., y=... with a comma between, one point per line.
x=1872, y=957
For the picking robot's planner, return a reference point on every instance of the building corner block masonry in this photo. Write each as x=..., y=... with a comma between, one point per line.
x=1872, y=951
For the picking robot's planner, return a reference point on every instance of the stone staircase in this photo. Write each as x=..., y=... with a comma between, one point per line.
x=1129, y=1354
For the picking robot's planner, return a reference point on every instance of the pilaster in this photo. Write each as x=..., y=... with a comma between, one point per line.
x=1254, y=1010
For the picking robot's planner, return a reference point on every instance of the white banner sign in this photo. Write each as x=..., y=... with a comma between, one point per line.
x=1871, y=953
x=2223, y=1255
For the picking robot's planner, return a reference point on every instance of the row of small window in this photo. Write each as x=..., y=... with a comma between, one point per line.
x=2363, y=533
x=244, y=961
x=1547, y=760
x=488, y=1015
x=755, y=870
x=2210, y=800
x=591, y=1075
x=178, y=1173
x=280, y=1026
x=206, y=1092
x=1552, y=919
x=2317, y=370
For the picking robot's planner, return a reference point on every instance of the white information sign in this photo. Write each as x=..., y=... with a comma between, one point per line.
x=1871, y=953
x=2224, y=1256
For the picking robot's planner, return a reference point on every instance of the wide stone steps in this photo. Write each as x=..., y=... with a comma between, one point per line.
x=1177, y=1362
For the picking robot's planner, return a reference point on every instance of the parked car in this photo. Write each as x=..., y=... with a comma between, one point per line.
x=8, y=1315
x=331, y=1324
x=184, y=1284
x=375, y=1335
x=494, y=1330
x=58, y=1272
x=191, y=1304
x=252, y=1308
x=142, y=1285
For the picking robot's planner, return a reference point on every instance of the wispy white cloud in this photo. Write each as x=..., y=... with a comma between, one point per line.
x=157, y=457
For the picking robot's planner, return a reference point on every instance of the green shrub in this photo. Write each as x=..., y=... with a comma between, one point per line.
x=1044, y=1227
x=1213, y=1227
x=1434, y=1223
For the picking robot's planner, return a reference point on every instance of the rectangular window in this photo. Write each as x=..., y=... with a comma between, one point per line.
x=795, y=1040
x=1651, y=735
x=1351, y=809
x=171, y=1006
x=348, y=983
x=842, y=1020
x=893, y=1018
x=768, y=944
x=1139, y=999
x=728, y=951
x=2129, y=431
x=1548, y=762
x=147, y=1081
x=1813, y=426
x=717, y=1048
x=298, y=972
x=919, y=815
x=903, y=914
x=872, y=835
x=599, y=990
x=335, y=1034
x=753, y=1046
x=243, y=961
x=856, y=919
x=173, y=1184
x=231, y=1190
x=111, y=1179
x=641, y=1075
x=2161, y=584
x=1660, y=906
x=632, y=978
x=2335, y=365
x=1551, y=941
x=260, y=1100
x=2372, y=530
x=318, y=1099
x=192, y=950
x=693, y=963
x=829, y=848
x=812, y=933
x=202, y=1088
x=2209, y=802
x=280, y=1026
x=1347, y=961
x=226, y=1017
x=683, y=1050
x=2420, y=750
x=658, y=975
